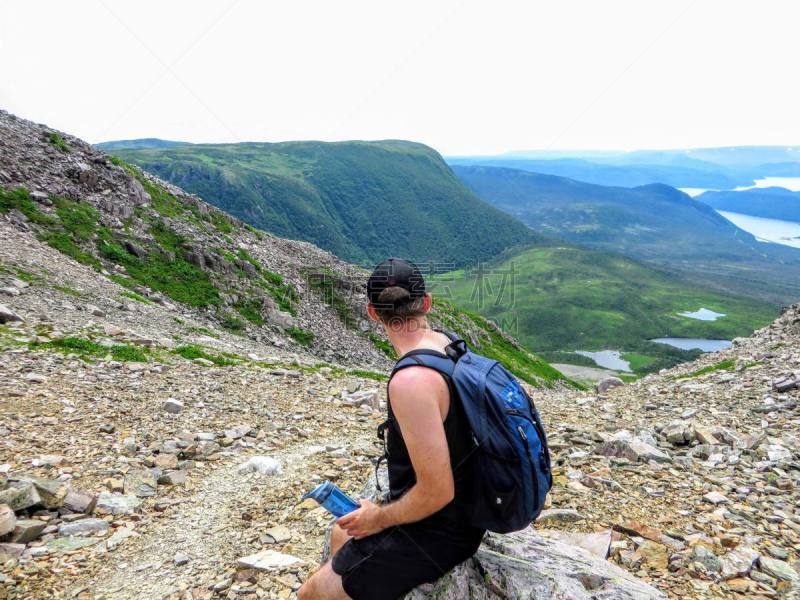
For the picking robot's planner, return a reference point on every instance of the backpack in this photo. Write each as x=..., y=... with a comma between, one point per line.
x=510, y=458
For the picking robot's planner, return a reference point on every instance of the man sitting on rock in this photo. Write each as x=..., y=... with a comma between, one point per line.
x=383, y=551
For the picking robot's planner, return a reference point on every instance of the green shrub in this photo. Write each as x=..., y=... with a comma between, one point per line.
x=20, y=200
x=64, y=243
x=192, y=351
x=79, y=219
x=250, y=309
x=301, y=336
x=135, y=296
x=59, y=142
x=88, y=348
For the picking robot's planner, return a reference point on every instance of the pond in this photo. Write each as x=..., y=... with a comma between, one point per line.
x=705, y=345
x=608, y=359
x=703, y=314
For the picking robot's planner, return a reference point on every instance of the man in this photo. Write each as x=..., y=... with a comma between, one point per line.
x=384, y=551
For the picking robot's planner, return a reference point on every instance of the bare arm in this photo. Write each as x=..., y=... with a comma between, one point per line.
x=419, y=397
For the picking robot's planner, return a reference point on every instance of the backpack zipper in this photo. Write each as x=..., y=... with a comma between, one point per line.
x=530, y=458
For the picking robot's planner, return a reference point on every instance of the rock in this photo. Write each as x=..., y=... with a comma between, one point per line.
x=119, y=536
x=606, y=384
x=633, y=450
x=269, y=560
x=35, y=378
x=166, y=461
x=265, y=465
x=51, y=493
x=10, y=291
x=238, y=432
x=180, y=559
x=141, y=483
x=635, y=528
x=715, y=498
x=70, y=544
x=107, y=428
x=559, y=515
x=785, y=383
x=278, y=535
x=597, y=543
x=80, y=502
x=172, y=406
x=48, y=460
x=7, y=315
x=93, y=310
x=738, y=562
x=116, y=504
x=172, y=478
x=20, y=495
x=652, y=554
x=679, y=433
x=83, y=526
x=27, y=530
x=701, y=554
x=11, y=550
x=7, y=519
x=779, y=569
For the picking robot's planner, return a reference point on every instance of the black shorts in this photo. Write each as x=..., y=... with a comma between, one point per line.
x=396, y=560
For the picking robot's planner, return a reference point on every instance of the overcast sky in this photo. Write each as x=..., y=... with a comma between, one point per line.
x=462, y=76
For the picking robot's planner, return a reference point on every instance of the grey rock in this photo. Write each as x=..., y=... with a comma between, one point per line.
x=707, y=558
x=117, y=504
x=78, y=501
x=633, y=450
x=51, y=493
x=70, y=544
x=20, y=495
x=559, y=515
x=7, y=315
x=180, y=559
x=11, y=550
x=83, y=526
x=779, y=569
x=606, y=384
x=172, y=406
x=141, y=483
x=27, y=530
x=738, y=562
x=7, y=519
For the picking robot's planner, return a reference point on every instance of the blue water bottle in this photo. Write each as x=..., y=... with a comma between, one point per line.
x=332, y=499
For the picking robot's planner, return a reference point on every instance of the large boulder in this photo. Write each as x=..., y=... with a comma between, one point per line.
x=526, y=564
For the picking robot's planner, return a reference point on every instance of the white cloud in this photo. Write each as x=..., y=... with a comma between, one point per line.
x=462, y=76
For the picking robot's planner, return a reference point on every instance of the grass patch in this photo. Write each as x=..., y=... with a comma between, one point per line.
x=64, y=243
x=68, y=290
x=192, y=351
x=231, y=322
x=134, y=296
x=250, y=309
x=368, y=374
x=57, y=140
x=19, y=199
x=87, y=348
x=301, y=336
x=382, y=345
x=78, y=219
x=724, y=365
x=325, y=284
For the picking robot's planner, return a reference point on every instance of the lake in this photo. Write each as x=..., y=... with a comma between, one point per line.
x=766, y=230
x=703, y=314
x=608, y=359
x=694, y=343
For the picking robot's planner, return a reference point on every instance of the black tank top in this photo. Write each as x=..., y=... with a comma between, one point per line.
x=459, y=444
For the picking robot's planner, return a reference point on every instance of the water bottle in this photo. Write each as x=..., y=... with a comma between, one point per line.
x=332, y=499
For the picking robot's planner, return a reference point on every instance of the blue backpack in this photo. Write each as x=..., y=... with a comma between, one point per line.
x=510, y=457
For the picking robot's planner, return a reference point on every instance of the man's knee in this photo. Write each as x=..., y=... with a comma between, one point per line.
x=338, y=538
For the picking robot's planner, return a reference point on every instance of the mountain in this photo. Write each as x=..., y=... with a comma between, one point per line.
x=655, y=223
x=630, y=175
x=710, y=168
x=769, y=203
x=562, y=298
x=139, y=143
x=92, y=231
x=363, y=201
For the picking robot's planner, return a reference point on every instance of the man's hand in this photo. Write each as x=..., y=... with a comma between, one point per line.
x=362, y=522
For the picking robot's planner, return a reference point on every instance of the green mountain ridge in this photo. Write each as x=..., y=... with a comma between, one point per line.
x=656, y=224
x=769, y=203
x=362, y=201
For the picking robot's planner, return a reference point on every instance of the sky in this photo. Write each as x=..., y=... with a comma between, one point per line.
x=464, y=77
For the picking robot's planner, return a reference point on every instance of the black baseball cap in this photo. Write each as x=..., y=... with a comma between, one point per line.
x=395, y=272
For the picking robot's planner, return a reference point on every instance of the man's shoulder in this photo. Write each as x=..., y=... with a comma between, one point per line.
x=415, y=380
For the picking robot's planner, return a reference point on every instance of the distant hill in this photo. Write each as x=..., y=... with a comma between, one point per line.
x=139, y=143
x=561, y=297
x=770, y=203
x=653, y=223
x=617, y=175
x=714, y=168
x=362, y=201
